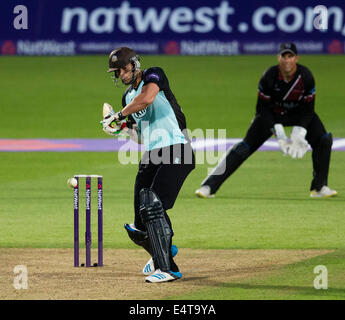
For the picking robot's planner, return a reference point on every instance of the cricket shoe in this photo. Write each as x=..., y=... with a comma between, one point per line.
x=150, y=267
x=162, y=276
x=325, y=192
x=204, y=192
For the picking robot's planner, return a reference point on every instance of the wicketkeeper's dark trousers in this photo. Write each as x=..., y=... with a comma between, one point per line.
x=258, y=132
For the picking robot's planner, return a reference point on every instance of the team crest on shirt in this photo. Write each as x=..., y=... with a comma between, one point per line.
x=139, y=114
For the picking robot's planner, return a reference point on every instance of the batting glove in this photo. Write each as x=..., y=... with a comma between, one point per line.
x=115, y=127
x=282, y=139
x=113, y=123
x=299, y=145
x=111, y=117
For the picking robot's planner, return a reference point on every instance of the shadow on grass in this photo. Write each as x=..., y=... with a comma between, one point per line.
x=188, y=279
x=263, y=198
x=303, y=290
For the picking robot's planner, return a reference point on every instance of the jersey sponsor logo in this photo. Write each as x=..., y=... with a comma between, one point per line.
x=289, y=105
x=152, y=76
x=140, y=114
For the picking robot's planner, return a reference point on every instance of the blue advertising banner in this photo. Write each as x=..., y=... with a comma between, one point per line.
x=170, y=27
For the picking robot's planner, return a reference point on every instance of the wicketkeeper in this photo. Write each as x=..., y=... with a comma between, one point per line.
x=155, y=119
x=286, y=97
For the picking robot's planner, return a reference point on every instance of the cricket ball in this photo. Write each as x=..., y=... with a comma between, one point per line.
x=72, y=182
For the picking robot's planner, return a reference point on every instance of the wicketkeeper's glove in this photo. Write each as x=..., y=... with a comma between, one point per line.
x=282, y=139
x=299, y=145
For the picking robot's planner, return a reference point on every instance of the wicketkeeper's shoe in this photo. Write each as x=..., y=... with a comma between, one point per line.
x=204, y=192
x=162, y=276
x=150, y=267
x=325, y=192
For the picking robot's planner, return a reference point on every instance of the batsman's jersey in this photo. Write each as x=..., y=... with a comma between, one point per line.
x=162, y=122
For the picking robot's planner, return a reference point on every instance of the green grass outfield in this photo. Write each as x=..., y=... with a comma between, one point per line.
x=56, y=97
x=265, y=205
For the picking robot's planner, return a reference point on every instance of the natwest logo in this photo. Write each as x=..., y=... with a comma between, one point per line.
x=129, y=19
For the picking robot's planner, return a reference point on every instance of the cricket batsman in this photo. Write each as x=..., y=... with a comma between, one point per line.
x=286, y=97
x=153, y=117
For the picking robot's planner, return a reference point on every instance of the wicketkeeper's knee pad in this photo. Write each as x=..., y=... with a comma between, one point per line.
x=139, y=237
x=158, y=230
x=326, y=141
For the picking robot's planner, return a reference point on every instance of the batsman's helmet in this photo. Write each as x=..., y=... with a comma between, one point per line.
x=122, y=56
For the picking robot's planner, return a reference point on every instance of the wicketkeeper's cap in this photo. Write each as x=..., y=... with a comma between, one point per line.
x=288, y=47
